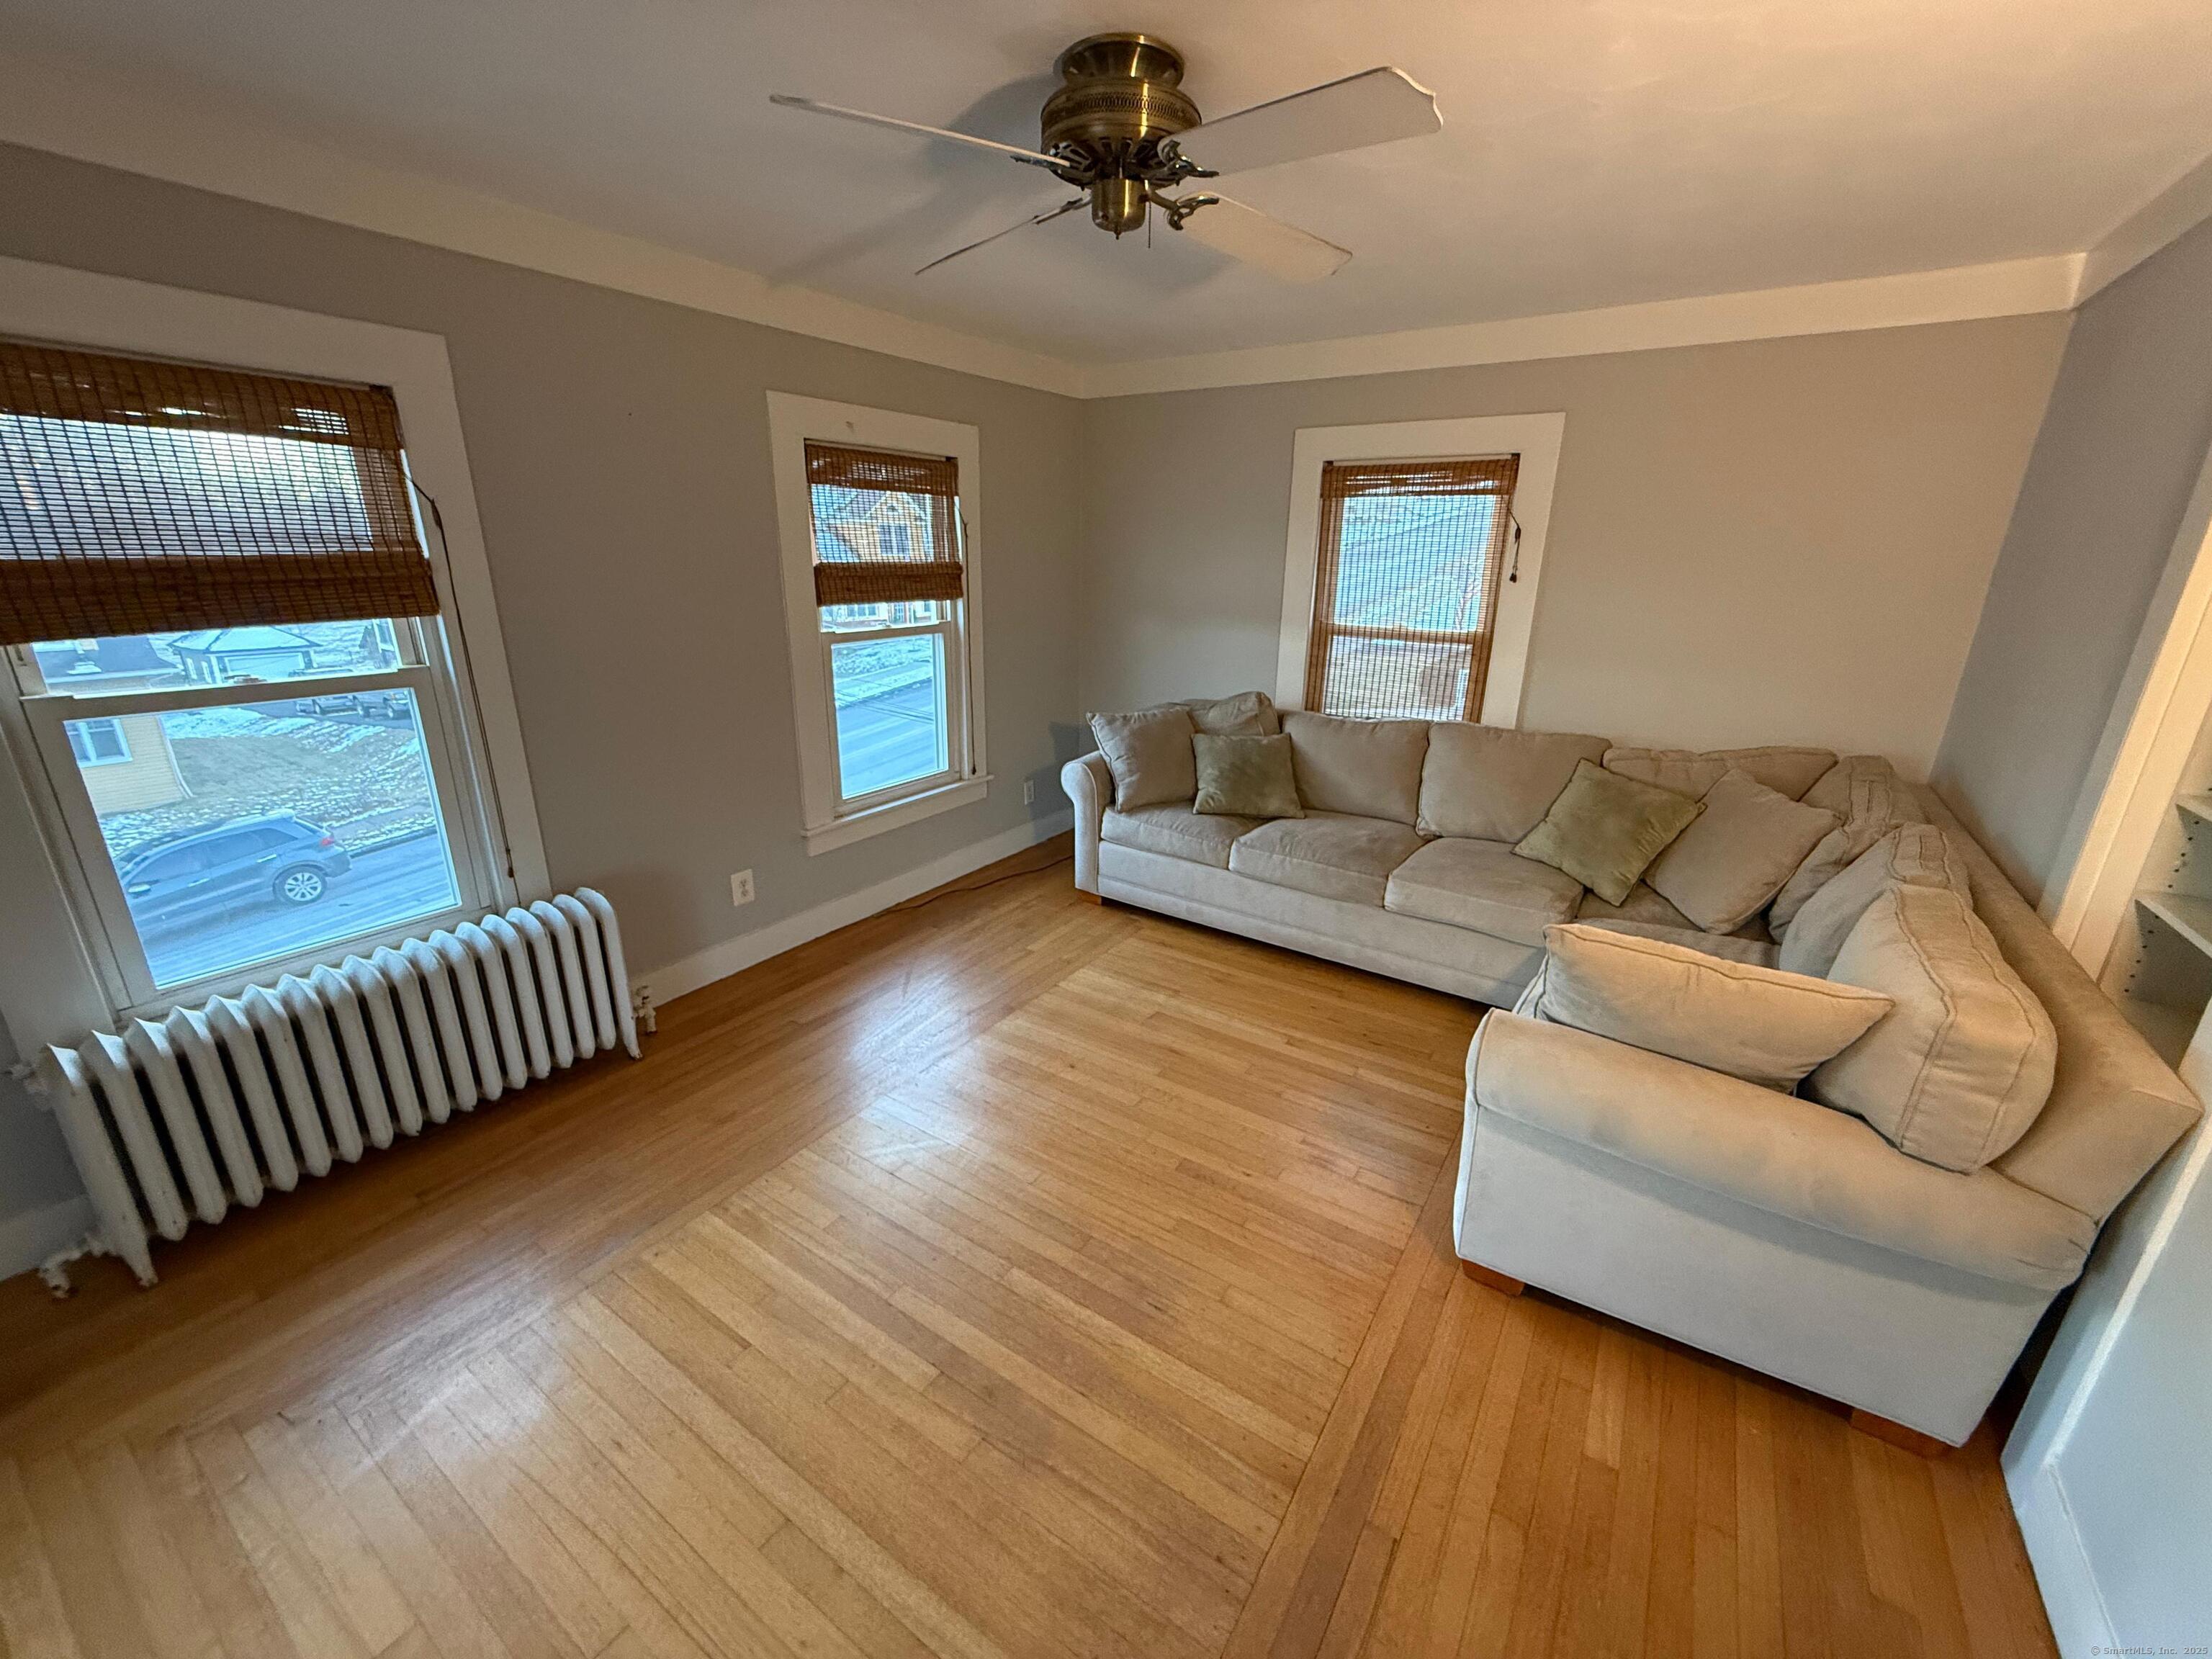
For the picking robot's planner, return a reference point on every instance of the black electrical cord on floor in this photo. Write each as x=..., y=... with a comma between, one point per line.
x=949, y=892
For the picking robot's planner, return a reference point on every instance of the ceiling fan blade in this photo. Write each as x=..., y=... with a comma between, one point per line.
x=1372, y=107
x=1015, y=152
x=1246, y=233
x=1035, y=219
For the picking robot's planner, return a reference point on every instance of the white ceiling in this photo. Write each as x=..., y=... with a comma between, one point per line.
x=1593, y=154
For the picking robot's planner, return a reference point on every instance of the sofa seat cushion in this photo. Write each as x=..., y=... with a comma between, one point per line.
x=1496, y=782
x=1358, y=767
x=1482, y=885
x=1177, y=832
x=1779, y=1153
x=1339, y=855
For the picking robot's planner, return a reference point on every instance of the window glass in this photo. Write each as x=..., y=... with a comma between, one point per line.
x=287, y=826
x=858, y=618
x=215, y=656
x=1407, y=564
x=890, y=711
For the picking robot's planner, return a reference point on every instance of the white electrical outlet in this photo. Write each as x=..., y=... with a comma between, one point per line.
x=741, y=887
x=1029, y=792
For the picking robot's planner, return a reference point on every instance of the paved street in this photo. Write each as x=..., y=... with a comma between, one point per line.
x=888, y=739
x=387, y=885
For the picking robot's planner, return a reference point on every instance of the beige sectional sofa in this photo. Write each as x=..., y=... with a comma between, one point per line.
x=1757, y=1225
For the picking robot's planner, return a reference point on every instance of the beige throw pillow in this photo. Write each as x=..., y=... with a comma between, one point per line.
x=1370, y=769
x=1495, y=783
x=1757, y=1024
x=1245, y=777
x=1149, y=754
x=1915, y=854
x=1722, y=871
x=1247, y=714
x=1961, y=1066
x=1866, y=793
x=1605, y=829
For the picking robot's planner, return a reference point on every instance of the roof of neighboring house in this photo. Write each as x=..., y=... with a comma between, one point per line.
x=119, y=653
x=242, y=640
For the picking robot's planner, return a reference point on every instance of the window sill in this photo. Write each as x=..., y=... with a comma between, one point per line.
x=858, y=826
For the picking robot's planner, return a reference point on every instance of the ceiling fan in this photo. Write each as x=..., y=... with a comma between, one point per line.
x=1116, y=129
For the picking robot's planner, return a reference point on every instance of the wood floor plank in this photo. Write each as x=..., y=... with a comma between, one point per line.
x=1003, y=1278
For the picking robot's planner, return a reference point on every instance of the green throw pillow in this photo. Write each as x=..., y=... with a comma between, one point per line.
x=1246, y=777
x=1605, y=829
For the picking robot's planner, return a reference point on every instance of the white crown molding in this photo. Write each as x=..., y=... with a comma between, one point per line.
x=2013, y=289
x=2174, y=211
x=51, y=104
x=47, y=104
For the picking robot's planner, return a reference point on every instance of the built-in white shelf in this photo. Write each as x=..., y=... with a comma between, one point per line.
x=2190, y=917
x=2167, y=1029
x=2198, y=806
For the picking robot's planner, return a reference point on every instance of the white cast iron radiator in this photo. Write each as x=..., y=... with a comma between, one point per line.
x=183, y=1116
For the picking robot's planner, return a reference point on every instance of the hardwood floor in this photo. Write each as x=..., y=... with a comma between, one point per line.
x=1004, y=1276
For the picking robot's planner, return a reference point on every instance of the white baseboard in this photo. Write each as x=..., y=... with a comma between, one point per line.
x=27, y=1239
x=736, y=955
x=2078, y=1619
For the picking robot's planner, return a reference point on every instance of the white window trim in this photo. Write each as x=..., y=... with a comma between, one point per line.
x=121, y=738
x=1534, y=438
x=53, y=988
x=792, y=421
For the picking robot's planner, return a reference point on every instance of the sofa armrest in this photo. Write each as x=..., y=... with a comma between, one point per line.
x=1774, y=1152
x=1089, y=788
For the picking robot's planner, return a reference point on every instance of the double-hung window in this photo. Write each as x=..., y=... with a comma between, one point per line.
x=231, y=675
x=876, y=513
x=1410, y=577
x=1411, y=556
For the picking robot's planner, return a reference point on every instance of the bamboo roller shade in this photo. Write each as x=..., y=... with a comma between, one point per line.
x=141, y=496
x=1407, y=667
x=853, y=562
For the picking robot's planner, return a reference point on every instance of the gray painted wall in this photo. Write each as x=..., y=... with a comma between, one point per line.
x=619, y=447
x=1776, y=541
x=2130, y=422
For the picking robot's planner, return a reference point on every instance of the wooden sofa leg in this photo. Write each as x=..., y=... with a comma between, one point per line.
x=1497, y=1281
x=1920, y=1445
x=1090, y=898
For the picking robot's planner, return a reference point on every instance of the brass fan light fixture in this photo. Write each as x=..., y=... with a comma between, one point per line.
x=1117, y=127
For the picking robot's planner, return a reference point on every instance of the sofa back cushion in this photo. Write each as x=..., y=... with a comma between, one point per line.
x=1494, y=783
x=1149, y=754
x=1751, y=1022
x=1786, y=770
x=1917, y=854
x=1371, y=768
x=1722, y=871
x=1958, y=1070
x=1863, y=791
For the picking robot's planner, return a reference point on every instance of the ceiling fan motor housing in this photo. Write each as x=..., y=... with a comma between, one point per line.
x=1120, y=100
